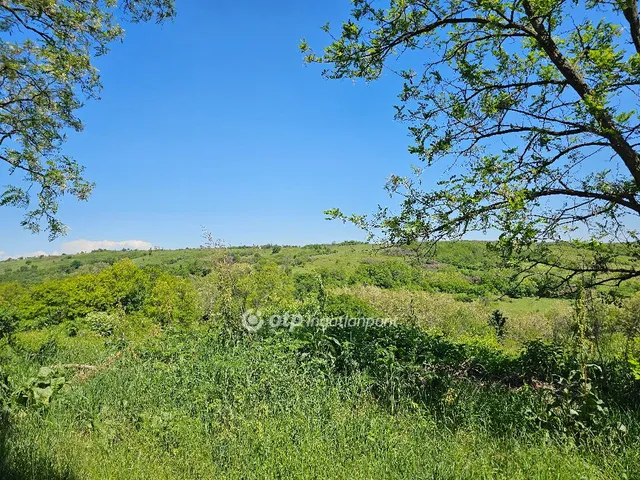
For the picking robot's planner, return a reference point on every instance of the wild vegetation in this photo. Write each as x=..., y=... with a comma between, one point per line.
x=135, y=364
x=46, y=52
x=532, y=108
x=518, y=358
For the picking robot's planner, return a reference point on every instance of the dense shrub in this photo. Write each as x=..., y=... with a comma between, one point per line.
x=452, y=281
x=173, y=301
x=8, y=321
x=220, y=298
x=388, y=274
x=306, y=284
x=267, y=287
x=424, y=364
x=55, y=301
x=543, y=361
x=333, y=277
x=344, y=305
x=103, y=323
x=124, y=285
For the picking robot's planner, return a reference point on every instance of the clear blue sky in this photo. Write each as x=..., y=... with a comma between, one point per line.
x=213, y=120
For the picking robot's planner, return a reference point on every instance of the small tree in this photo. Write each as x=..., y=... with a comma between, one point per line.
x=173, y=301
x=499, y=322
x=220, y=291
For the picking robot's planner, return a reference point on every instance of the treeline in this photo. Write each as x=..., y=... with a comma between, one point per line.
x=136, y=294
x=466, y=269
x=122, y=287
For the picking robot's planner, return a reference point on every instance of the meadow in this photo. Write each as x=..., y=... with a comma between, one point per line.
x=136, y=364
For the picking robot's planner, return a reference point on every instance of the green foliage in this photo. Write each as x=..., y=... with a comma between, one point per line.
x=123, y=288
x=39, y=390
x=463, y=297
x=542, y=360
x=405, y=363
x=8, y=321
x=451, y=281
x=268, y=288
x=46, y=51
x=219, y=296
x=184, y=395
x=306, y=284
x=53, y=302
x=5, y=399
x=519, y=96
x=465, y=267
x=348, y=306
x=124, y=285
x=388, y=274
x=150, y=389
x=629, y=321
x=205, y=405
x=103, y=323
x=572, y=407
x=173, y=301
x=498, y=322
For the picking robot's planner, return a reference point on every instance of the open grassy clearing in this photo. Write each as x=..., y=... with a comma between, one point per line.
x=528, y=318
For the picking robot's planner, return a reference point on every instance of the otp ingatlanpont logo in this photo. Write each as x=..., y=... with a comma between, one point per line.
x=252, y=320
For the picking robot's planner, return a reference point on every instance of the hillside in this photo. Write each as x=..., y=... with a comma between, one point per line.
x=324, y=360
x=463, y=267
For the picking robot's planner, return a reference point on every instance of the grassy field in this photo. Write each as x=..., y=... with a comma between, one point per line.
x=204, y=408
x=135, y=365
x=528, y=318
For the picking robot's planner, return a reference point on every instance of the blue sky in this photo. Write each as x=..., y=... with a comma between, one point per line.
x=214, y=121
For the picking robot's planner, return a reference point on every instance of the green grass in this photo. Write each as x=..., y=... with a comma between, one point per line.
x=528, y=318
x=200, y=406
x=171, y=395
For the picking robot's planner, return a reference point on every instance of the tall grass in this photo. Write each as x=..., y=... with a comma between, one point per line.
x=528, y=318
x=148, y=375
x=207, y=405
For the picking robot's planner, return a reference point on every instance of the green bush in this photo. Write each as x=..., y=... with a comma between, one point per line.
x=173, y=301
x=103, y=323
x=54, y=301
x=306, y=285
x=38, y=391
x=464, y=297
x=451, y=281
x=8, y=321
x=267, y=287
x=388, y=274
x=344, y=305
x=124, y=285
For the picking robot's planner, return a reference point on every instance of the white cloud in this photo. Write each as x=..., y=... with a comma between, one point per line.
x=38, y=253
x=78, y=246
